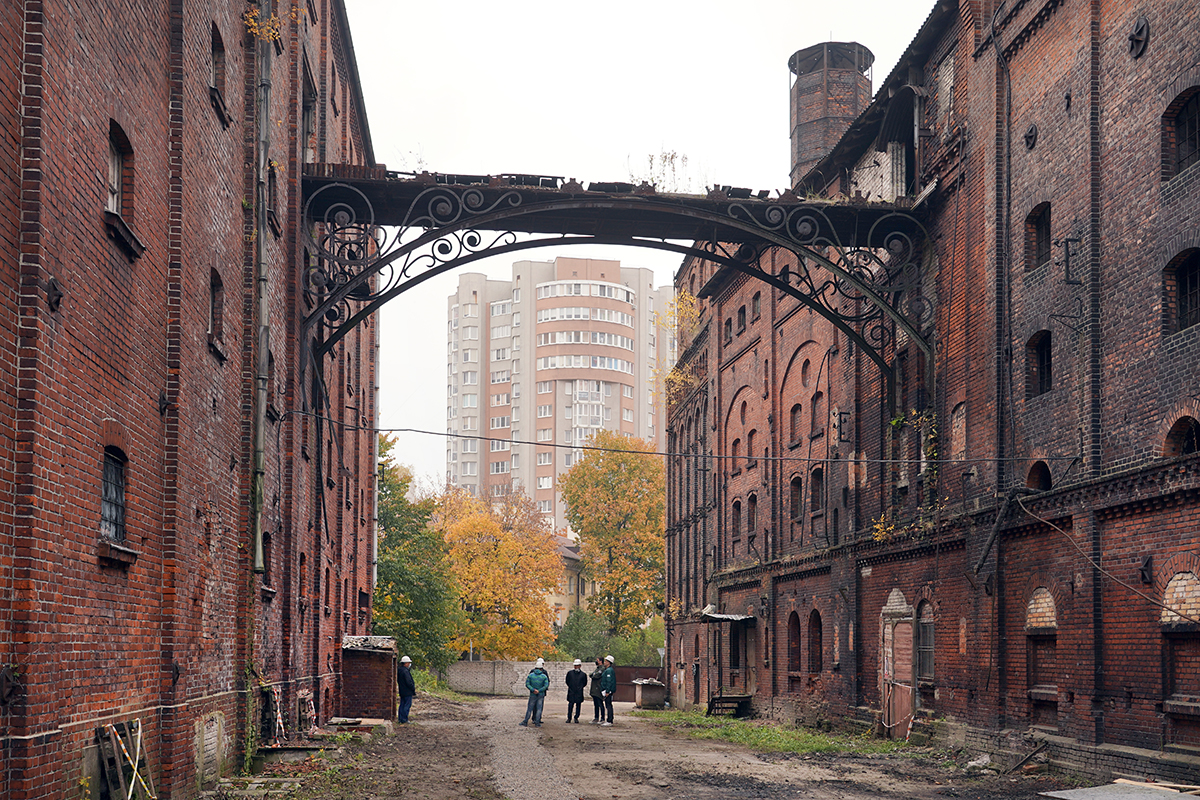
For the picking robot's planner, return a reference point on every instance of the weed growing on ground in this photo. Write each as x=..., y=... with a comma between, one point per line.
x=767, y=736
x=429, y=683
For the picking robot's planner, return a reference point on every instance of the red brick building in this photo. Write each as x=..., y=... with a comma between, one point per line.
x=179, y=545
x=1003, y=539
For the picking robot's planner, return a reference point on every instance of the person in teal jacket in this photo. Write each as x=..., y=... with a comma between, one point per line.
x=537, y=682
x=608, y=685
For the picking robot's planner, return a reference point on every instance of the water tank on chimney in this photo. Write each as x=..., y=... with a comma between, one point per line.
x=830, y=88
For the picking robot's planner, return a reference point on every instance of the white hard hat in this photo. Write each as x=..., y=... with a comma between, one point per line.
x=539, y=662
x=610, y=659
x=405, y=660
x=578, y=662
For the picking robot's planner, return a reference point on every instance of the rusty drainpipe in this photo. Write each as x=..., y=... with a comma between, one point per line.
x=262, y=309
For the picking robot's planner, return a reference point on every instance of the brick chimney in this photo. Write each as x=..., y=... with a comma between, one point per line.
x=831, y=87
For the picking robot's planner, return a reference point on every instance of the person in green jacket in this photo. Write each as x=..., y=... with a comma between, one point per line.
x=537, y=682
x=608, y=685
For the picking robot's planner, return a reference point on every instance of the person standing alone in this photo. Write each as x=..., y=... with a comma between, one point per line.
x=537, y=682
x=608, y=685
x=576, y=680
x=407, y=687
x=596, y=693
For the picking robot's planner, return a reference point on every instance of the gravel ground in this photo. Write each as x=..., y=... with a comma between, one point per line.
x=523, y=770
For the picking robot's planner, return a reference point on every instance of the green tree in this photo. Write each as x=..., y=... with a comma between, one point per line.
x=616, y=503
x=416, y=599
x=584, y=635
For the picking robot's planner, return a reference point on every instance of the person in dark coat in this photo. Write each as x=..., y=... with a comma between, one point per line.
x=407, y=688
x=596, y=693
x=576, y=680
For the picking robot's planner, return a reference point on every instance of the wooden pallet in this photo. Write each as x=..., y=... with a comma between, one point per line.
x=123, y=761
x=736, y=704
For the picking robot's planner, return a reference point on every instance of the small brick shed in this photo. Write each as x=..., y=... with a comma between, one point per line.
x=369, y=670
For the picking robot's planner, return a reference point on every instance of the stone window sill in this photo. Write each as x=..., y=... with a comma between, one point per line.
x=217, y=348
x=1183, y=708
x=123, y=235
x=268, y=594
x=114, y=554
x=218, y=104
x=1044, y=694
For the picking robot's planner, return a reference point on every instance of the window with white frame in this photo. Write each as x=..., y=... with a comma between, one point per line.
x=544, y=506
x=498, y=445
x=545, y=387
x=470, y=309
x=469, y=468
x=545, y=434
x=470, y=377
x=501, y=354
x=468, y=423
x=500, y=399
x=470, y=445
x=499, y=468
x=627, y=391
x=500, y=422
x=500, y=331
x=544, y=482
x=470, y=332
x=501, y=376
x=470, y=400
x=516, y=390
x=545, y=458
x=627, y=414
x=545, y=411
x=470, y=356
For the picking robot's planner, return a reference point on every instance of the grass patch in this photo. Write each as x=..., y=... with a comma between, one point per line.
x=430, y=684
x=767, y=736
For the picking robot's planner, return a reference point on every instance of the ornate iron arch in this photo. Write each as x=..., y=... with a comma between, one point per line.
x=857, y=265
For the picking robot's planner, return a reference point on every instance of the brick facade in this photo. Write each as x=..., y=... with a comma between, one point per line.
x=988, y=546
x=136, y=338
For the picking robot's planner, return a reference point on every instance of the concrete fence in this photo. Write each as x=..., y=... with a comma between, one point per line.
x=508, y=678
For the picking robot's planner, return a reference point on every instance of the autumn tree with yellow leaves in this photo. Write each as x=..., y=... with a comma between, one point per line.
x=616, y=503
x=505, y=561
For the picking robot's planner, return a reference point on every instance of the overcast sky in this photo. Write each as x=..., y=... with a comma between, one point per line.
x=585, y=91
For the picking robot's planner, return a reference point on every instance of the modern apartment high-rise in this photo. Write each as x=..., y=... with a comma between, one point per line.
x=538, y=363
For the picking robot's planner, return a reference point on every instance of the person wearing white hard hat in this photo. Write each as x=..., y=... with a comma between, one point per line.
x=576, y=681
x=608, y=687
x=537, y=682
x=407, y=688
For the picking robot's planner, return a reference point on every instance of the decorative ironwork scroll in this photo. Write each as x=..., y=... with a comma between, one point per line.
x=859, y=267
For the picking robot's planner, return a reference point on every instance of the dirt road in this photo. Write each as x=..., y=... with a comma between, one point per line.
x=476, y=750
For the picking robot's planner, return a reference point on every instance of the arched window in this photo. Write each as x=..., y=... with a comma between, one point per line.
x=925, y=641
x=1182, y=440
x=751, y=514
x=796, y=495
x=1037, y=237
x=818, y=413
x=735, y=519
x=728, y=331
x=794, y=642
x=741, y=316
x=1038, y=477
x=1181, y=133
x=735, y=454
x=958, y=432
x=816, y=487
x=750, y=459
x=756, y=306
x=796, y=422
x=815, y=642
x=735, y=648
x=1039, y=372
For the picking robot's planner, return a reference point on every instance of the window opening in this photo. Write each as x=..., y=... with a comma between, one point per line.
x=112, y=496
